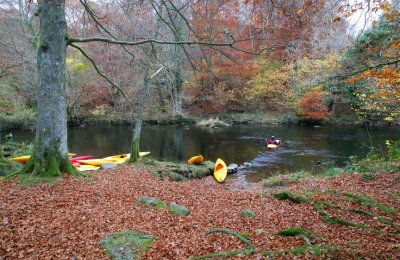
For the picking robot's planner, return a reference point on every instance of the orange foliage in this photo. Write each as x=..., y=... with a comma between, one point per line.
x=313, y=107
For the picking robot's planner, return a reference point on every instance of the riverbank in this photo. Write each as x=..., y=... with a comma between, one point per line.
x=27, y=121
x=345, y=216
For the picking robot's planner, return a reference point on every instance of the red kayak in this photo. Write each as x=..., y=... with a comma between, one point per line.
x=76, y=163
x=84, y=157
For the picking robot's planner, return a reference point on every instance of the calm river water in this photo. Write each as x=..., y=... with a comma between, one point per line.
x=303, y=148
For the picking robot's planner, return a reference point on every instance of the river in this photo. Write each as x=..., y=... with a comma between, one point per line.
x=303, y=147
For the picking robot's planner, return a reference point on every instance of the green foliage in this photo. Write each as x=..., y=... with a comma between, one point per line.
x=13, y=112
x=247, y=213
x=7, y=166
x=376, y=92
x=24, y=119
x=388, y=162
x=153, y=202
x=393, y=150
x=126, y=245
x=14, y=149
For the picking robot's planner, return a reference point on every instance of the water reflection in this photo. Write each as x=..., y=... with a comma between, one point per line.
x=303, y=147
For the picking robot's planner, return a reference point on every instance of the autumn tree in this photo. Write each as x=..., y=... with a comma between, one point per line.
x=313, y=107
x=371, y=73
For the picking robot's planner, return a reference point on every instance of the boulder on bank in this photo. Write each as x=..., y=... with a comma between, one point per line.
x=126, y=244
x=178, y=209
x=181, y=171
x=153, y=202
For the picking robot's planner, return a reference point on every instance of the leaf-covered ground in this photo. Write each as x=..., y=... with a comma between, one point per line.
x=69, y=219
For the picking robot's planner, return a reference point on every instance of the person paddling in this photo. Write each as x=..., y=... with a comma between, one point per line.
x=272, y=140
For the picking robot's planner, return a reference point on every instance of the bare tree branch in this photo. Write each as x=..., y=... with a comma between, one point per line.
x=102, y=74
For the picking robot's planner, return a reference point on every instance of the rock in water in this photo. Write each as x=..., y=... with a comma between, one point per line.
x=247, y=164
x=233, y=168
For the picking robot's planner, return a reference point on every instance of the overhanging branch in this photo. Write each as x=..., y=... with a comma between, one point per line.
x=102, y=74
x=365, y=69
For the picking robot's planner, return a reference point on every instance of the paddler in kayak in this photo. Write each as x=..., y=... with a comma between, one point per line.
x=272, y=140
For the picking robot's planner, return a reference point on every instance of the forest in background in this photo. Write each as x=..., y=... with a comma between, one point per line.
x=308, y=65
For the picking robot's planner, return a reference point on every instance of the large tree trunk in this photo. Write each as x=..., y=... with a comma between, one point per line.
x=50, y=155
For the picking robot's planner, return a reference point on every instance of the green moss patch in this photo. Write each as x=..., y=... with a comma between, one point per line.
x=27, y=180
x=282, y=180
x=374, y=216
x=287, y=195
x=292, y=232
x=153, y=202
x=178, y=209
x=332, y=219
x=247, y=213
x=371, y=203
x=126, y=244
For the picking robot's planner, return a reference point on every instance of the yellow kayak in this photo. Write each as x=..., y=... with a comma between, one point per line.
x=25, y=158
x=124, y=156
x=142, y=154
x=21, y=159
x=94, y=162
x=272, y=146
x=220, y=170
x=118, y=157
x=196, y=159
x=84, y=167
x=118, y=161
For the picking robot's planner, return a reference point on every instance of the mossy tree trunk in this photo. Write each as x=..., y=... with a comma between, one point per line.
x=139, y=115
x=50, y=154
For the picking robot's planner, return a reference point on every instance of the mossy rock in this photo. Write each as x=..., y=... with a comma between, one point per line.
x=181, y=171
x=178, y=209
x=126, y=244
x=247, y=213
x=153, y=202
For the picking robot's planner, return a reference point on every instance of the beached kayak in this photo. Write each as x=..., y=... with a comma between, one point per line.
x=84, y=167
x=25, y=158
x=220, y=170
x=83, y=157
x=124, y=156
x=95, y=162
x=196, y=159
